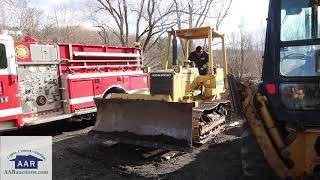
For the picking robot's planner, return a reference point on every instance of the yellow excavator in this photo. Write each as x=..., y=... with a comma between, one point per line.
x=281, y=134
x=181, y=108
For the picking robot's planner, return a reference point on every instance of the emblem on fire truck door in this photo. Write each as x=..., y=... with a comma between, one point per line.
x=22, y=51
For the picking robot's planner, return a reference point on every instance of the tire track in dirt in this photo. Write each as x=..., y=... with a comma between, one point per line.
x=77, y=156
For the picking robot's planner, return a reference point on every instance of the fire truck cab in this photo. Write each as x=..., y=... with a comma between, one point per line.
x=44, y=82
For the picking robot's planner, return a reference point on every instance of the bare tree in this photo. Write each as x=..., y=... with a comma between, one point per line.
x=15, y=14
x=195, y=13
x=151, y=20
x=222, y=12
x=104, y=35
x=59, y=24
x=192, y=13
x=245, y=51
x=119, y=13
x=62, y=25
x=30, y=21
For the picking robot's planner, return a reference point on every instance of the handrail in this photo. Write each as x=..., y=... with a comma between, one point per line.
x=105, y=54
x=39, y=63
x=103, y=66
x=103, y=60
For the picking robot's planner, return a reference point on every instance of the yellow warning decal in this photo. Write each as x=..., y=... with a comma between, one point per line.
x=22, y=51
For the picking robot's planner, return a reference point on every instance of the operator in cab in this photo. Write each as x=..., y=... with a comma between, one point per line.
x=200, y=59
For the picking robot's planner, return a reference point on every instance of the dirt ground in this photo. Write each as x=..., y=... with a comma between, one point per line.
x=77, y=156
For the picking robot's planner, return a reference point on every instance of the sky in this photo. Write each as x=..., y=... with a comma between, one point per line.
x=251, y=13
x=47, y=4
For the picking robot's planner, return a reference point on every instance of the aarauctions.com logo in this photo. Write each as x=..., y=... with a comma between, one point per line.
x=26, y=162
x=25, y=157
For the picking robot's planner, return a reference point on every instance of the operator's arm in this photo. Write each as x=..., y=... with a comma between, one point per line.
x=206, y=58
x=192, y=59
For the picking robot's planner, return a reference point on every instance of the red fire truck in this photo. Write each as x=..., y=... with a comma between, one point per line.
x=44, y=82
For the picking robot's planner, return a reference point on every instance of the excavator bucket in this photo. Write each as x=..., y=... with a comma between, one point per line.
x=148, y=123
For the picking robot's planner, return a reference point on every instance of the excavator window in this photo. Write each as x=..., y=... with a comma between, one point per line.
x=300, y=96
x=299, y=54
x=299, y=20
x=299, y=61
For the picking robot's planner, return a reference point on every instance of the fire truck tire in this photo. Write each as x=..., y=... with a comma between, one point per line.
x=113, y=90
x=254, y=165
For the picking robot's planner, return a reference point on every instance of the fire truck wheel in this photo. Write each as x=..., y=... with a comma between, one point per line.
x=113, y=90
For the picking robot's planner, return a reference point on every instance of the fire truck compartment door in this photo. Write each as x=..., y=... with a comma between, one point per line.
x=43, y=52
x=81, y=94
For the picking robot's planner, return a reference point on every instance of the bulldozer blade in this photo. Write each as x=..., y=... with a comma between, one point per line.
x=149, y=123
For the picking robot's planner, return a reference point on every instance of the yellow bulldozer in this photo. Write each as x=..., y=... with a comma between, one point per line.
x=181, y=108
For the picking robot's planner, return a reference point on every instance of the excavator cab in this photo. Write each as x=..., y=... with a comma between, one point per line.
x=291, y=68
x=282, y=127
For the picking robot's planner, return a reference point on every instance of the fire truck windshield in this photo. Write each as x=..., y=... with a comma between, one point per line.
x=3, y=57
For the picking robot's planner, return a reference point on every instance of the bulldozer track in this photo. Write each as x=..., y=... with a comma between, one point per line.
x=209, y=122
